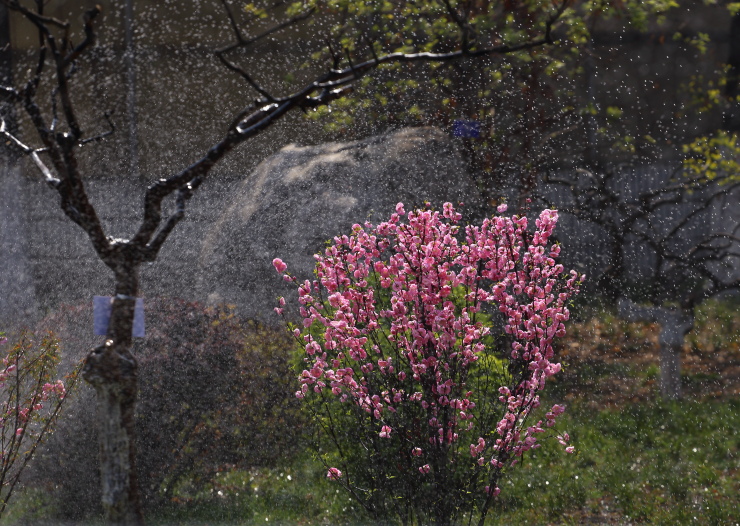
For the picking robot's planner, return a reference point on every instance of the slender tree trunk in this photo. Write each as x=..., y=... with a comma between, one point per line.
x=670, y=371
x=112, y=371
x=611, y=282
x=674, y=325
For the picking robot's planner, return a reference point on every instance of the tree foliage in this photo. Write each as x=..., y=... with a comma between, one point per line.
x=532, y=109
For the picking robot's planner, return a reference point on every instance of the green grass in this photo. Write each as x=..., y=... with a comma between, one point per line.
x=661, y=463
x=658, y=463
x=298, y=494
x=665, y=463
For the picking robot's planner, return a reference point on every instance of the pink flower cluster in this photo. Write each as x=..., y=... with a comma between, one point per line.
x=35, y=402
x=395, y=319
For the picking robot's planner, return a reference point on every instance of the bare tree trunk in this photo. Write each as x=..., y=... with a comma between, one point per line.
x=112, y=371
x=670, y=371
x=674, y=325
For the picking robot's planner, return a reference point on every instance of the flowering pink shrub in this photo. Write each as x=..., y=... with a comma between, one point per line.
x=30, y=402
x=422, y=410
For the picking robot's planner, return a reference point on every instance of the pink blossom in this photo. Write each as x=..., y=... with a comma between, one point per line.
x=557, y=409
x=425, y=469
x=19, y=431
x=385, y=432
x=333, y=474
x=495, y=491
x=279, y=265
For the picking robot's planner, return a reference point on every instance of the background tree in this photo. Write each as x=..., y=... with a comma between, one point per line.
x=665, y=226
x=528, y=112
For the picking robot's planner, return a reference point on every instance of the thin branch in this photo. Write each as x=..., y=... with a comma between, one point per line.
x=89, y=16
x=246, y=76
x=466, y=30
x=36, y=18
x=244, y=42
x=239, y=38
x=704, y=206
x=103, y=135
x=63, y=89
x=29, y=93
x=33, y=154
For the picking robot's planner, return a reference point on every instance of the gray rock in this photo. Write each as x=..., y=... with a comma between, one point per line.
x=302, y=196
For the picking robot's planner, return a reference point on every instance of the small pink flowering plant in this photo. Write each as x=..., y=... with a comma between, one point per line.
x=30, y=402
x=423, y=403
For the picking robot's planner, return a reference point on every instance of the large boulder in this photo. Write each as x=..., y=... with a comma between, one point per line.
x=302, y=196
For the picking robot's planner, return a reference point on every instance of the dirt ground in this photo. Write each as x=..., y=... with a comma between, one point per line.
x=614, y=362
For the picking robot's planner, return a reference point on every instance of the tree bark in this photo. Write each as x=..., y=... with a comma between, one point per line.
x=111, y=369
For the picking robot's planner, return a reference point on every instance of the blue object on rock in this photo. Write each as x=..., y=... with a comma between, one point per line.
x=467, y=129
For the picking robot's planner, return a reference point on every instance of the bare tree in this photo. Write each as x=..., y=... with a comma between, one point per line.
x=111, y=368
x=688, y=259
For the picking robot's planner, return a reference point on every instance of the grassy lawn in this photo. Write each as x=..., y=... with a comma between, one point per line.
x=657, y=463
